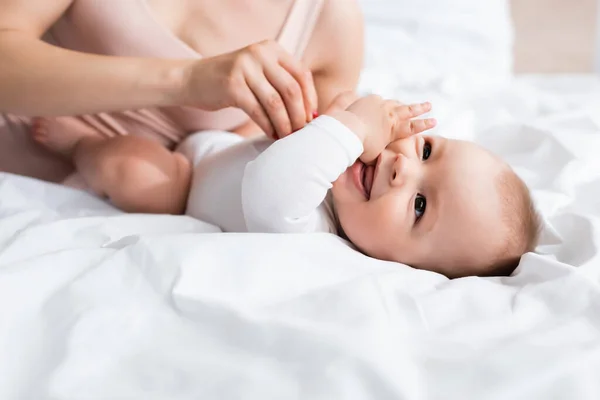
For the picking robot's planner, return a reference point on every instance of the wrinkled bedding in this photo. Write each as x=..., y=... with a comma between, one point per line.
x=97, y=304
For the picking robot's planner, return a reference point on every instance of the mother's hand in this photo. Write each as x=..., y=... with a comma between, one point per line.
x=262, y=79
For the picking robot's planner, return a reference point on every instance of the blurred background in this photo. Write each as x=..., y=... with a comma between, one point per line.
x=476, y=41
x=555, y=36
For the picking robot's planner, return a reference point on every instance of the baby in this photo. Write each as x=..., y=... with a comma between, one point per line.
x=360, y=171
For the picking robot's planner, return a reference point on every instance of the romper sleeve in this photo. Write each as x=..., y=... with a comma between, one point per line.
x=283, y=187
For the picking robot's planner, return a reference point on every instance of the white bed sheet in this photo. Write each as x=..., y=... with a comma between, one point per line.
x=96, y=304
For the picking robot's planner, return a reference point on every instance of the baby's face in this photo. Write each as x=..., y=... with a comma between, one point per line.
x=428, y=202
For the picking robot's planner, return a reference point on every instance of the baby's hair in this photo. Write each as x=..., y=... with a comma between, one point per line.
x=521, y=221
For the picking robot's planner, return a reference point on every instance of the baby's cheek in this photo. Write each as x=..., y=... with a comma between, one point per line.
x=391, y=217
x=339, y=181
x=339, y=187
x=392, y=210
x=335, y=189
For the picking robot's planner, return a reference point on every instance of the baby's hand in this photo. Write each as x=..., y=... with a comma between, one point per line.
x=341, y=102
x=378, y=122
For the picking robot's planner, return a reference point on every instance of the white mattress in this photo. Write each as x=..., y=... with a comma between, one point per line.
x=96, y=304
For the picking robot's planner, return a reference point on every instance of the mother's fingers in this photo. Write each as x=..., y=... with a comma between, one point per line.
x=250, y=104
x=282, y=86
x=291, y=93
x=304, y=78
x=271, y=102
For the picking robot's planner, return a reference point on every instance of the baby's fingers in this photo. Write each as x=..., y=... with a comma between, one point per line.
x=413, y=110
x=421, y=125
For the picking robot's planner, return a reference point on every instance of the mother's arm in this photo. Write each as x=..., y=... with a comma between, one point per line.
x=37, y=78
x=336, y=50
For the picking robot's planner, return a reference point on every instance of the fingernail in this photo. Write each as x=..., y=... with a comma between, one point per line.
x=315, y=114
x=432, y=122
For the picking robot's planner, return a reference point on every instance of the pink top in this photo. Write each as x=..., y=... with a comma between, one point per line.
x=129, y=28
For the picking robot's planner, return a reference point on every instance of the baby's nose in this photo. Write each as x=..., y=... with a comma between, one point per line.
x=402, y=170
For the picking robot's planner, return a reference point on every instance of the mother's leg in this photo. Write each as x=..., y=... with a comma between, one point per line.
x=135, y=173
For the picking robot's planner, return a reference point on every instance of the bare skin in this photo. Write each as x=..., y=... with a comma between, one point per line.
x=409, y=198
x=72, y=83
x=104, y=83
x=136, y=174
x=139, y=175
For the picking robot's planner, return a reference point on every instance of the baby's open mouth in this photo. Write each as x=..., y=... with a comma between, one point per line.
x=363, y=176
x=368, y=177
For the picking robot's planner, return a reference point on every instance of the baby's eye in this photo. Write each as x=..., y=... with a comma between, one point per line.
x=426, y=150
x=420, y=205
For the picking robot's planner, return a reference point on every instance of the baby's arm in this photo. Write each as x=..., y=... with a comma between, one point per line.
x=284, y=185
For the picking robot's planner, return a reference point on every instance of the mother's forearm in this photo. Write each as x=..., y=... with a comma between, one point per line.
x=38, y=79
